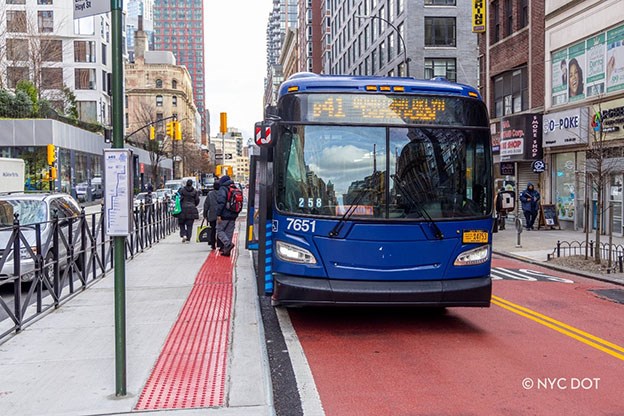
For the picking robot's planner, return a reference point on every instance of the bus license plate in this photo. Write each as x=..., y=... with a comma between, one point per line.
x=475, y=236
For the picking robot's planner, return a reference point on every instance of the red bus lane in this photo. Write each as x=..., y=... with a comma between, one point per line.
x=544, y=347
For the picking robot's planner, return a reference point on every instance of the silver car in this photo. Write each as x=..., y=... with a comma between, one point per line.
x=31, y=209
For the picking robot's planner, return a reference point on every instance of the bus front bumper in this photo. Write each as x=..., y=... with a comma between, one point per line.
x=295, y=290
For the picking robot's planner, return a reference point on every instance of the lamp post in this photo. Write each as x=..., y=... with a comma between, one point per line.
x=405, y=58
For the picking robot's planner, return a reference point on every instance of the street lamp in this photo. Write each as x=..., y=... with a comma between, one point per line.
x=405, y=58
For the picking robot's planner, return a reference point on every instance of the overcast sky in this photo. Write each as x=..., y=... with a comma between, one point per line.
x=235, y=61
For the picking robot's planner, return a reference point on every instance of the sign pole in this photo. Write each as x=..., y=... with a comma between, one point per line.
x=119, y=242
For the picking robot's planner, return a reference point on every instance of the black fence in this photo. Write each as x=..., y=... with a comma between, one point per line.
x=59, y=259
x=606, y=251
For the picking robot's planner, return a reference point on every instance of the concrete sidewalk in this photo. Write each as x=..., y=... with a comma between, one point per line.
x=64, y=364
x=535, y=246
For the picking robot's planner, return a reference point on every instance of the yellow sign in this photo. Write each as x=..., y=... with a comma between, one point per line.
x=475, y=236
x=478, y=16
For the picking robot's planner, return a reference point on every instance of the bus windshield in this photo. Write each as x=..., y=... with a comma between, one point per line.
x=383, y=172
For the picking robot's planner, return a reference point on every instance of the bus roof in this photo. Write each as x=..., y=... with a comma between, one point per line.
x=310, y=82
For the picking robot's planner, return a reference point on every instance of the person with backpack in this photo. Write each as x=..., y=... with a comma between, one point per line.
x=189, y=199
x=229, y=205
x=210, y=213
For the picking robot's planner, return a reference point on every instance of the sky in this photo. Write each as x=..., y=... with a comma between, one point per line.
x=235, y=55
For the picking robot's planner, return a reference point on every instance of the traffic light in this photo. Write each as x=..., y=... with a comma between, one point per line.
x=170, y=128
x=53, y=173
x=152, y=133
x=178, y=130
x=51, y=154
x=223, y=125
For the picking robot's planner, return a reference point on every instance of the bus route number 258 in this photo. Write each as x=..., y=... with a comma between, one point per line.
x=300, y=224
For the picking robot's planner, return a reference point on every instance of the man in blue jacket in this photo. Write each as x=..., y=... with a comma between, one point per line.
x=226, y=219
x=530, y=204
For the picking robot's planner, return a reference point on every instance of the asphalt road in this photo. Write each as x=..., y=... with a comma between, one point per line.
x=551, y=343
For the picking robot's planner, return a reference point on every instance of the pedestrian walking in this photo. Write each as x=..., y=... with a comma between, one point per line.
x=189, y=199
x=210, y=214
x=148, y=204
x=530, y=204
x=226, y=219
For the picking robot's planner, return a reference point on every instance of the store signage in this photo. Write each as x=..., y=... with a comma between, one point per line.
x=508, y=169
x=521, y=138
x=612, y=118
x=538, y=166
x=566, y=128
x=478, y=16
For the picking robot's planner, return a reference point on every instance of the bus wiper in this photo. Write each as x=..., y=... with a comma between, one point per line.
x=351, y=210
x=419, y=208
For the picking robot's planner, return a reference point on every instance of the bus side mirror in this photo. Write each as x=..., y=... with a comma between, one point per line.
x=264, y=133
x=270, y=111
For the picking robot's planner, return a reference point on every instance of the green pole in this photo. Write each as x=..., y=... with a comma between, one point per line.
x=119, y=242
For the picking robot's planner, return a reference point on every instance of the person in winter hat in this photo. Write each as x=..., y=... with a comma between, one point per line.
x=226, y=219
x=189, y=199
x=210, y=213
x=530, y=204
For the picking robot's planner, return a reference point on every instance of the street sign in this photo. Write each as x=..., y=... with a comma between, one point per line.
x=85, y=8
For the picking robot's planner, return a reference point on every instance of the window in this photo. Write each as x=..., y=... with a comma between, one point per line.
x=441, y=67
x=51, y=78
x=103, y=54
x=16, y=21
x=44, y=2
x=85, y=78
x=439, y=2
x=159, y=83
x=45, y=21
x=84, y=51
x=496, y=22
x=17, y=49
x=174, y=101
x=15, y=74
x=508, y=18
x=52, y=50
x=511, y=93
x=524, y=13
x=15, y=1
x=159, y=101
x=439, y=31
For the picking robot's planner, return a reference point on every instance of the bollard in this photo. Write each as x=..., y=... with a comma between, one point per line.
x=518, y=232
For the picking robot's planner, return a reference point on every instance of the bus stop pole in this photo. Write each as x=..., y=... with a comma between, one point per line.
x=119, y=242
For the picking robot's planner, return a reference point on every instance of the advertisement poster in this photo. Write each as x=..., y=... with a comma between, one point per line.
x=595, y=65
x=615, y=59
x=560, y=77
x=576, y=74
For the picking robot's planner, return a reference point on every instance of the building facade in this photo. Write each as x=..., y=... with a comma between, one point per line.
x=400, y=38
x=179, y=28
x=158, y=90
x=42, y=42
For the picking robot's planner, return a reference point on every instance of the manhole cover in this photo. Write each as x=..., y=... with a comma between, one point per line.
x=615, y=295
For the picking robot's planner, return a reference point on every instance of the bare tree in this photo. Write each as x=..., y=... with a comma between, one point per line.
x=604, y=159
x=144, y=116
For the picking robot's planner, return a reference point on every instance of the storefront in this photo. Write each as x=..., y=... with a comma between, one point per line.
x=517, y=147
x=565, y=144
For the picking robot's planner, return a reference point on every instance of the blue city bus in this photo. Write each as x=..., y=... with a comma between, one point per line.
x=373, y=191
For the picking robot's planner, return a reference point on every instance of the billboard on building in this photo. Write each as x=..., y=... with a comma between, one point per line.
x=566, y=128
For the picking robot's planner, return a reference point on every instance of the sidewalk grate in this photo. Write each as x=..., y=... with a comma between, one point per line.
x=191, y=369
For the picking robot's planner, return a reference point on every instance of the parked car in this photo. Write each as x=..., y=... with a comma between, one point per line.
x=97, y=190
x=139, y=199
x=39, y=208
x=164, y=194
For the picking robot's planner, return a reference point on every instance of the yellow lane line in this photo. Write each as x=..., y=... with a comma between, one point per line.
x=565, y=329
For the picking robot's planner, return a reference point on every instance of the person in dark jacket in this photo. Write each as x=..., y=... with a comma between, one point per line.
x=530, y=204
x=210, y=214
x=189, y=199
x=226, y=219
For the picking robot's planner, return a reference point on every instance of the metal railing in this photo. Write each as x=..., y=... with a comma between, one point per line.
x=612, y=253
x=74, y=253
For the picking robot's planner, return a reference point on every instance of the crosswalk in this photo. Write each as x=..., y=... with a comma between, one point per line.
x=527, y=275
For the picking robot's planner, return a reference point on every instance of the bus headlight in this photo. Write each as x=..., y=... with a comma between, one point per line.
x=477, y=255
x=294, y=254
